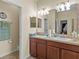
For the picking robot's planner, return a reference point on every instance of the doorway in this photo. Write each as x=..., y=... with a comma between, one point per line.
x=63, y=24
x=10, y=46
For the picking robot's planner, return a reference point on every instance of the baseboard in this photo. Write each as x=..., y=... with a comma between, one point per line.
x=8, y=53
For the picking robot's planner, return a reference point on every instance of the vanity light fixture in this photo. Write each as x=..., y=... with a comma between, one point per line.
x=43, y=11
x=64, y=6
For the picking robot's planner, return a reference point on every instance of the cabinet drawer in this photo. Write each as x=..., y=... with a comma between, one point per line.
x=41, y=41
x=52, y=43
x=65, y=54
x=33, y=40
x=63, y=46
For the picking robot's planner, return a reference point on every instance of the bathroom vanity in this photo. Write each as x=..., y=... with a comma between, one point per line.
x=56, y=22
x=49, y=48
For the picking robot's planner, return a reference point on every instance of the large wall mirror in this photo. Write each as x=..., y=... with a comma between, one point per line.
x=61, y=16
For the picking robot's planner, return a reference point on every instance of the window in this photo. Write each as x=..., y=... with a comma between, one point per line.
x=4, y=30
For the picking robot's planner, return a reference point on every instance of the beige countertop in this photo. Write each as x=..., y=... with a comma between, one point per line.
x=58, y=39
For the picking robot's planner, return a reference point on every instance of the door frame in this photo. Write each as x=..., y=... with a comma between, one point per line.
x=20, y=43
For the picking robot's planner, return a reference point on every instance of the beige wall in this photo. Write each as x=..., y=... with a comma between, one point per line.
x=51, y=19
x=12, y=17
x=35, y=30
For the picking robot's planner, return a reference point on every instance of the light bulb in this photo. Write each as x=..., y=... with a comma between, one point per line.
x=47, y=11
x=67, y=5
x=43, y=12
x=57, y=8
x=62, y=7
x=39, y=12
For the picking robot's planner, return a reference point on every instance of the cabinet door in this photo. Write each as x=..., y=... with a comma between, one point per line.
x=41, y=51
x=77, y=56
x=68, y=54
x=52, y=52
x=33, y=47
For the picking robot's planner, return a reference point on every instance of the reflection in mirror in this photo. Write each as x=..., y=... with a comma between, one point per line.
x=45, y=25
x=39, y=22
x=63, y=27
x=60, y=17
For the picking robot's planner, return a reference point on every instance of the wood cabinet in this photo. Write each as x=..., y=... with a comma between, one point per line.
x=68, y=54
x=77, y=56
x=41, y=49
x=52, y=52
x=46, y=49
x=33, y=47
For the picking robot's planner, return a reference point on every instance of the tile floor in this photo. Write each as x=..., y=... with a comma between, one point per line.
x=14, y=55
x=31, y=58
